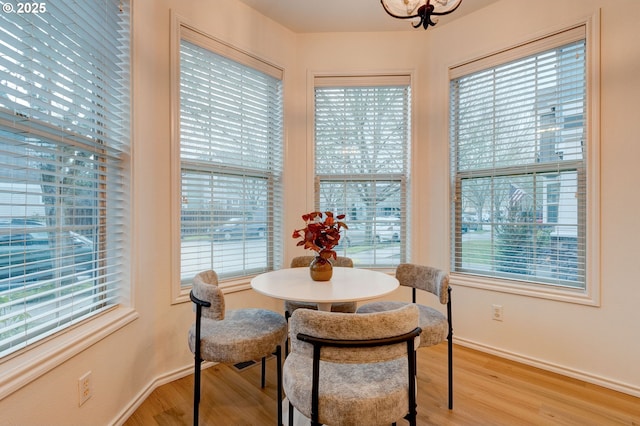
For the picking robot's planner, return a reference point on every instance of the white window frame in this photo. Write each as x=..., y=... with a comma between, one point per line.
x=590, y=295
x=324, y=79
x=28, y=364
x=183, y=29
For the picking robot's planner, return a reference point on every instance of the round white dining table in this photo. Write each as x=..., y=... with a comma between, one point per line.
x=346, y=285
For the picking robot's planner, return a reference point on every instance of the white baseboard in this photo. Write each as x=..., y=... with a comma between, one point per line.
x=153, y=385
x=565, y=371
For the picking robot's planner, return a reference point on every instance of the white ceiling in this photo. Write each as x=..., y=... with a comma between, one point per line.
x=308, y=16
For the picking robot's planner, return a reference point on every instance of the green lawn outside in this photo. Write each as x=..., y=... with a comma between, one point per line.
x=477, y=252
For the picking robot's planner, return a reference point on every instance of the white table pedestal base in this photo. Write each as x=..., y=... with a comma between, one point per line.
x=324, y=307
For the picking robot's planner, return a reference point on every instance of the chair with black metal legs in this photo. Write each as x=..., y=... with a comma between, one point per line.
x=436, y=327
x=352, y=369
x=232, y=336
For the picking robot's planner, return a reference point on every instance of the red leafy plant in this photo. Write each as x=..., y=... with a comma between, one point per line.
x=321, y=234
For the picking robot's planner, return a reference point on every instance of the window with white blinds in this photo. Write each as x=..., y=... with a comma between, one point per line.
x=64, y=144
x=519, y=169
x=362, y=145
x=231, y=141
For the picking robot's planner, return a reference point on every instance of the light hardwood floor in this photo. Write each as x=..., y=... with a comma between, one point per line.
x=487, y=391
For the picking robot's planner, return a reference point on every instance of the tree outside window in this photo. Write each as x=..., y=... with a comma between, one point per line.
x=362, y=133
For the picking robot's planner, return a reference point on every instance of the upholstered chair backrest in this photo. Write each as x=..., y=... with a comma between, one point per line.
x=425, y=278
x=302, y=261
x=336, y=325
x=342, y=261
x=205, y=287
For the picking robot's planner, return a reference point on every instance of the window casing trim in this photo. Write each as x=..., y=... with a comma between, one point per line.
x=523, y=288
x=401, y=77
x=108, y=140
x=591, y=294
x=183, y=30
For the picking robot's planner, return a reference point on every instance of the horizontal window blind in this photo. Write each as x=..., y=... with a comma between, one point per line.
x=362, y=145
x=231, y=141
x=518, y=137
x=64, y=143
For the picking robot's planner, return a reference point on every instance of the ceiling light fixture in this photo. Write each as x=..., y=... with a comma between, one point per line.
x=421, y=9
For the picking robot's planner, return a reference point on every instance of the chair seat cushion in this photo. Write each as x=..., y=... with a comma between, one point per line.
x=243, y=335
x=354, y=398
x=346, y=307
x=434, y=324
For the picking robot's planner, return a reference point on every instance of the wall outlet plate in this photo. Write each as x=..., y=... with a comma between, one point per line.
x=85, y=388
x=496, y=312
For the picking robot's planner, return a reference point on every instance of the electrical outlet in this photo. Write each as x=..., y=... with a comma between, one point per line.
x=496, y=312
x=85, y=388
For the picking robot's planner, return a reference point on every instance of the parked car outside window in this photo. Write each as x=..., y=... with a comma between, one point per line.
x=388, y=228
x=238, y=228
x=28, y=253
x=381, y=230
x=470, y=223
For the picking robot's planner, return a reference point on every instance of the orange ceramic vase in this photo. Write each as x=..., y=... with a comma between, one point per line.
x=320, y=269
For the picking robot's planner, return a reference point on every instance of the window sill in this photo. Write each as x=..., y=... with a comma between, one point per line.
x=529, y=289
x=23, y=367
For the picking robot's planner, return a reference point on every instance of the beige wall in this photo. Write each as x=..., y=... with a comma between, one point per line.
x=599, y=344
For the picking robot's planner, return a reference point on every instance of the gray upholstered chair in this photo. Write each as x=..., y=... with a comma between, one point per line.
x=436, y=327
x=305, y=261
x=352, y=369
x=232, y=336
